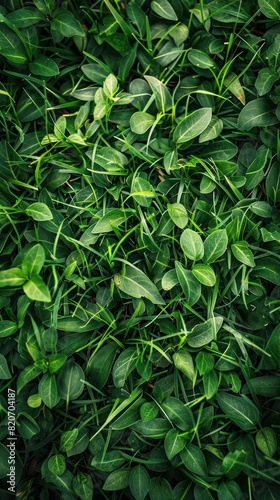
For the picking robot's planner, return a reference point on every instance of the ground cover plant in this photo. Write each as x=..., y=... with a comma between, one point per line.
x=139, y=263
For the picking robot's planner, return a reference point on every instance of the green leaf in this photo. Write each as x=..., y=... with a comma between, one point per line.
x=215, y=245
x=189, y=284
x=268, y=269
x=204, y=333
x=27, y=426
x=12, y=277
x=57, y=464
x=8, y=328
x=160, y=488
x=204, y=274
x=27, y=16
x=192, y=126
x=257, y=113
x=233, y=463
x=4, y=369
x=200, y=59
x=169, y=280
x=28, y=374
x=273, y=346
x=124, y=365
x=270, y=8
x=261, y=208
x=11, y=46
x=240, y=410
x=242, y=252
x=204, y=362
x=142, y=191
x=266, y=441
x=83, y=486
x=192, y=244
x=267, y=385
x=173, y=443
x=100, y=364
x=233, y=84
x=107, y=462
x=66, y=23
x=194, y=460
x=70, y=381
x=164, y=9
x=48, y=390
x=45, y=6
x=36, y=289
x=68, y=439
x=140, y=122
x=129, y=417
x=117, y=480
x=56, y=361
x=149, y=411
x=154, y=429
x=265, y=80
x=177, y=412
x=183, y=361
x=44, y=66
x=213, y=130
x=136, y=284
x=210, y=384
x=163, y=98
x=229, y=490
x=139, y=482
x=33, y=260
x=107, y=222
x=39, y=212
x=255, y=171
x=178, y=214
x=110, y=85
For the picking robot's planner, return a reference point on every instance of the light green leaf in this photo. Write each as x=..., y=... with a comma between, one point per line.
x=255, y=171
x=164, y=9
x=107, y=222
x=57, y=464
x=136, y=284
x=7, y=328
x=27, y=426
x=100, y=363
x=192, y=244
x=83, y=486
x=36, y=289
x=203, y=333
x=163, y=98
x=149, y=411
x=68, y=439
x=270, y=8
x=233, y=84
x=201, y=59
x=178, y=214
x=210, y=384
x=33, y=260
x=107, y=462
x=110, y=85
x=242, y=252
x=12, y=277
x=215, y=245
x=189, y=284
x=204, y=274
x=39, y=211
x=183, y=361
x=140, y=122
x=192, y=126
x=169, y=280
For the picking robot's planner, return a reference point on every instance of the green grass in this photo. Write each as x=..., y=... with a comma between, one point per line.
x=139, y=252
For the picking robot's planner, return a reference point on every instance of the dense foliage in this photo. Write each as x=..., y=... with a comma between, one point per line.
x=140, y=232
